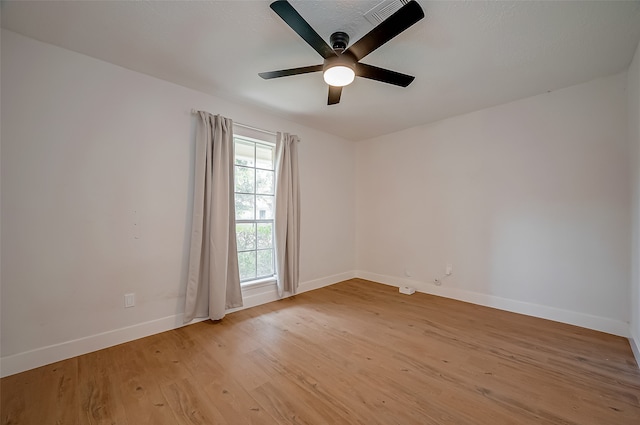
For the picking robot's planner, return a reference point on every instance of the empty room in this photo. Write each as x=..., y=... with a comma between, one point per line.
x=320, y=212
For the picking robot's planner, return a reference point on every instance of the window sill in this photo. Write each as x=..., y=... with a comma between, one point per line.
x=258, y=283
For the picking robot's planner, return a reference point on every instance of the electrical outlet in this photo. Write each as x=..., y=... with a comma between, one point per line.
x=129, y=300
x=449, y=269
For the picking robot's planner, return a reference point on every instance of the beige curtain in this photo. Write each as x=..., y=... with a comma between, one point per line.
x=287, y=220
x=213, y=284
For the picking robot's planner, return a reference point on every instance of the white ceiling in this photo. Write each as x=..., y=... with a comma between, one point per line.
x=465, y=55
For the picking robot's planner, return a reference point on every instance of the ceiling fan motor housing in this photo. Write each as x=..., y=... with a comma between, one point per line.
x=342, y=60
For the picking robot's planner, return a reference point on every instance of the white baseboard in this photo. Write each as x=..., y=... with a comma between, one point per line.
x=31, y=359
x=603, y=324
x=325, y=281
x=42, y=356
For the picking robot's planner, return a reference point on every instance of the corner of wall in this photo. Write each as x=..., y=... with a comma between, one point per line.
x=633, y=125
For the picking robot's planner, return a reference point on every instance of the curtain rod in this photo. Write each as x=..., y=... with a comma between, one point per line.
x=248, y=127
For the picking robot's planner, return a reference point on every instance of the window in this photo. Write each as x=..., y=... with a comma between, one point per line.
x=255, y=204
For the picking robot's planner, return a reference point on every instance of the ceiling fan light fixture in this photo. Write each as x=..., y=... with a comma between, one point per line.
x=339, y=70
x=339, y=75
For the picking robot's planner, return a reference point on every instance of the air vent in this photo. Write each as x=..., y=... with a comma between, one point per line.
x=384, y=10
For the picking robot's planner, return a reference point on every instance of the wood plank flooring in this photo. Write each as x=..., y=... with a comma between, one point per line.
x=353, y=353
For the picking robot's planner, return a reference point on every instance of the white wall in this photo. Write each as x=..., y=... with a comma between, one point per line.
x=96, y=197
x=529, y=201
x=634, y=138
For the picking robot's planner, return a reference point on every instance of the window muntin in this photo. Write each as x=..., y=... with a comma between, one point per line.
x=255, y=202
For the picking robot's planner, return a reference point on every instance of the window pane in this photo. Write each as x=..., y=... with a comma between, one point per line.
x=264, y=157
x=265, y=262
x=247, y=265
x=245, y=179
x=265, y=235
x=264, y=182
x=245, y=207
x=264, y=207
x=246, y=236
x=244, y=153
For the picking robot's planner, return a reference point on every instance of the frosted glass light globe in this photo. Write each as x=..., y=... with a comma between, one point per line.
x=339, y=76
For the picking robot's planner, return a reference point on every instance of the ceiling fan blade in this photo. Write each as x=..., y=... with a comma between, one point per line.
x=293, y=71
x=384, y=75
x=406, y=16
x=334, y=95
x=297, y=23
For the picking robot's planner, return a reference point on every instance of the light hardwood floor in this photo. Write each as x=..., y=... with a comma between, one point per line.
x=352, y=353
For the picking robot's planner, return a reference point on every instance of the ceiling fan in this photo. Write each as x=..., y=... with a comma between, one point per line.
x=341, y=64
